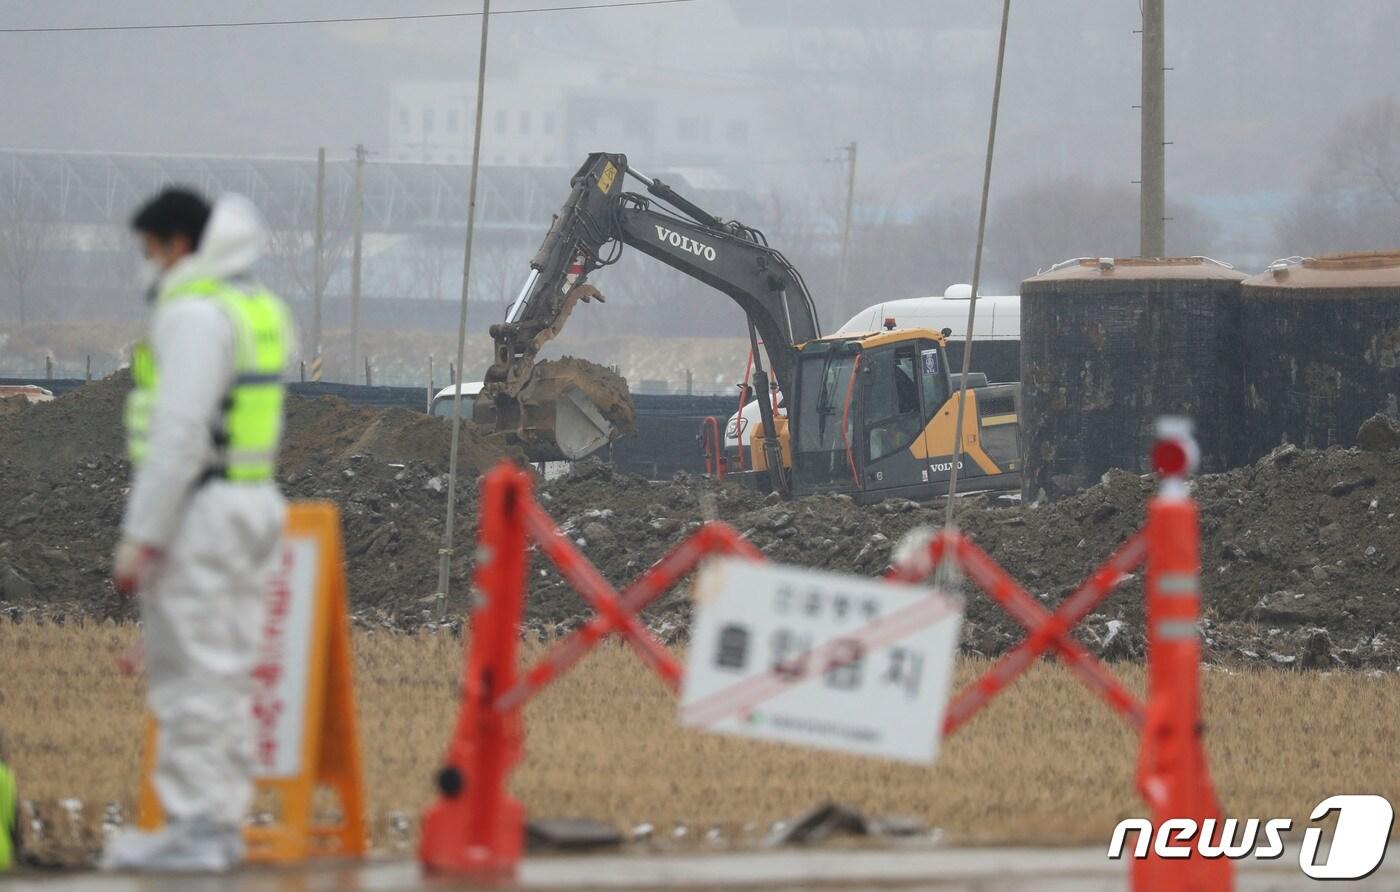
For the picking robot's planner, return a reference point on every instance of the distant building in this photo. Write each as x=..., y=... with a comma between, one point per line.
x=431, y=122
x=706, y=134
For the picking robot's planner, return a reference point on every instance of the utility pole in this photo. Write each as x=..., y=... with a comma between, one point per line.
x=319, y=287
x=449, y=541
x=1152, y=225
x=844, y=272
x=360, y=154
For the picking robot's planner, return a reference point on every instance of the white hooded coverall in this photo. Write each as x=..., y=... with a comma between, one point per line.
x=202, y=603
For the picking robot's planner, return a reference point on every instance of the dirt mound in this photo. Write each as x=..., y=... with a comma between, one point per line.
x=1301, y=565
x=64, y=478
x=81, y=423
x=1299, y=551
x=1379, y=433
x=87, y=422
x=322, y=429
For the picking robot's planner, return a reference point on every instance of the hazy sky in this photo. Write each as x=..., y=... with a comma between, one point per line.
x=1256, y=89
x=1255, y=86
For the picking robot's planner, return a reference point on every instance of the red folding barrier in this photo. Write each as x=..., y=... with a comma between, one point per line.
x=1047, y=630
x=476, y=828
x=1172, y=775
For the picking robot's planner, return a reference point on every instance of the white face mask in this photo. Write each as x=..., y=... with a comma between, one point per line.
x=148, y=274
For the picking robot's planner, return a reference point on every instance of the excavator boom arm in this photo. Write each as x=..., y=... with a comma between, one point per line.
x=589, y=232
x=599, y=218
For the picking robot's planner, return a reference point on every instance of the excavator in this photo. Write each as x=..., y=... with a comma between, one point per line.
x=869, y=414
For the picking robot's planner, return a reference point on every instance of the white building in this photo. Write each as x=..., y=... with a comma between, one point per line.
x=660, y=126
x=431, y=122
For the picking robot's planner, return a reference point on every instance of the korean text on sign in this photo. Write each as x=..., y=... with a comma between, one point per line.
x=820, y=659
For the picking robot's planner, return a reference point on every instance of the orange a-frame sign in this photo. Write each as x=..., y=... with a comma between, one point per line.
x=305, y=733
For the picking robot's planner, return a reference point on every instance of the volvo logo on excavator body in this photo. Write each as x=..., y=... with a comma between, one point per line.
x=684, y=242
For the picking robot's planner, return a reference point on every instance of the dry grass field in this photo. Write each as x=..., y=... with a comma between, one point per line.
x=1045, y=763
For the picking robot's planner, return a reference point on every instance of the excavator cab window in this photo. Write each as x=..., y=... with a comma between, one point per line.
x=893, y=409
x=825, y=448
x=935, y=378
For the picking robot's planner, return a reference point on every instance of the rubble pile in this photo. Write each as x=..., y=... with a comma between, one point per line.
x=1300, y=551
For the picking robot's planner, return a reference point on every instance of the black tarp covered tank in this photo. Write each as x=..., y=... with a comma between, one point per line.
x=1322, y=349
x=1107, y=346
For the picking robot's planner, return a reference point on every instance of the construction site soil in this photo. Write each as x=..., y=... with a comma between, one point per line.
x=1300, y=551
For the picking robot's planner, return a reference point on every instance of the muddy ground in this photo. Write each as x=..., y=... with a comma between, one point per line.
x=1301, y=551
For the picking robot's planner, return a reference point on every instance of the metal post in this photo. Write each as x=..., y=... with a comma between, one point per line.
x=949, y=510
x=844, y=273
x=89, y=368
x=448, y=532
x=430, y=383
x=48, y=368
x=319, y=285
x=779, y=481
x=368, y=382
x=360, y=154
x=1152, y=223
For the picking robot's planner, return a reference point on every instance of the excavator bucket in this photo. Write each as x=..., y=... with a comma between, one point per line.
x=568, y=409
x=579, y=428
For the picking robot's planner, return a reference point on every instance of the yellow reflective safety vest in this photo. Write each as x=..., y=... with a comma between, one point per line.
x=9, y=816
x=250, y=428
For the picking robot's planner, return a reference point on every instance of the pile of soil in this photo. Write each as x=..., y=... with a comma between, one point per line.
x=328, y=429
x=64, y=480
x=1300, y=551
x=81, y=423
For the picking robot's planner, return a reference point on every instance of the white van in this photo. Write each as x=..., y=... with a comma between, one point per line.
x=442, y=400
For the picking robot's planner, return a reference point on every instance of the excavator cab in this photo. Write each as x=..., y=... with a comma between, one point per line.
x=874, y=415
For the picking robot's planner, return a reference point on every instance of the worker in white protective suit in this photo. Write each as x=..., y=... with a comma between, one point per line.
x=204, y=519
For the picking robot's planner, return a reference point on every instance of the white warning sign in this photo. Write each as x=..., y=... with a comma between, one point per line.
x=280, y=676
x=820, y=659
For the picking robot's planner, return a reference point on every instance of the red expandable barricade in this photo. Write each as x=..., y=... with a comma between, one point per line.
x=1172, y=775
x=475, y=828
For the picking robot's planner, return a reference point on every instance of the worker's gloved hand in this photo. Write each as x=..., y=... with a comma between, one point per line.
x=131, y=564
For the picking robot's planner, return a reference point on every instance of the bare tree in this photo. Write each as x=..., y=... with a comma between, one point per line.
x=27, y=240
x=291, y=252
x=1352, y=198
x=1040, y=224
x=431, y=258
x=499, y=268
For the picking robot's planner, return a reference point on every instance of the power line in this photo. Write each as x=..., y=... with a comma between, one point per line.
x=335, y=21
